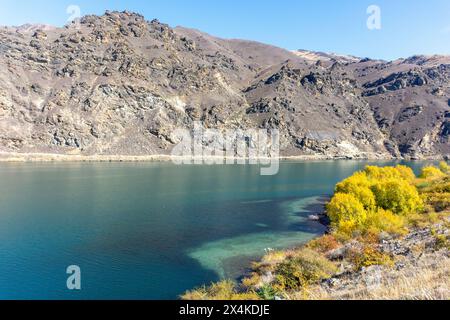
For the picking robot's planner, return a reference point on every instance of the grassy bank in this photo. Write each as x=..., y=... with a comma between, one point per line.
x=388, y=239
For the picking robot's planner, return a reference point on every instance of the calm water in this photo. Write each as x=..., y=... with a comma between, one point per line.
x=149, y=231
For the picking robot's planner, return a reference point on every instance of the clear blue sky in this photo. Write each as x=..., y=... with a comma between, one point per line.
x=408, y=26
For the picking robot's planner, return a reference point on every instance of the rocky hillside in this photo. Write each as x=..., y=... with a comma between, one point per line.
x=119, y=85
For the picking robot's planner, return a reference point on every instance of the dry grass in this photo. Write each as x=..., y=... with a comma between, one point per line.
x=380, y=263
x=224, y=290
x=428, y=280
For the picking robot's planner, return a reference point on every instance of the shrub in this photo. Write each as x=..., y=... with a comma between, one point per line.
x=267, y=292
x=444, y=167
x=224, y=290
x=431, y=173
x=367, y=257
x=273, y=257
x=423, y=184
x=384, y=220
x=371, y=201
x=436, y=193
x=398, y=196
x=359, y=186
x=406, y=173
x=253, y=281
x=324, y=244
x=384, y=173
x=346, y=208
x=422, y=220
x=438, y=201
x=435, y=186
x=345, y=230
x=442, y=241
x=304, y=268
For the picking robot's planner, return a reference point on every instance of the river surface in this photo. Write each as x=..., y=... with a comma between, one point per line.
x=150, y=230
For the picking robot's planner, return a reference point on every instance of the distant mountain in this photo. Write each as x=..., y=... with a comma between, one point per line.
x=119, y=85
x=315, y=56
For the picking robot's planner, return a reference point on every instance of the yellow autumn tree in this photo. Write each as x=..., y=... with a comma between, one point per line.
x=346, y=213
x=374, y=200
x=384, y=220
x=431, y=173
x=406, y=173
x=445, y=168
x=358, y=185
x=382, y=173
x=398, y=196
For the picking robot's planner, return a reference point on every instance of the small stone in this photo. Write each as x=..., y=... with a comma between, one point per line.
x=314, y=217
x=332, y=283
x=384, y=236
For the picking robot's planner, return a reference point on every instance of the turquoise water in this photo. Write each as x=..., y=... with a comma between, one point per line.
x=153, y=230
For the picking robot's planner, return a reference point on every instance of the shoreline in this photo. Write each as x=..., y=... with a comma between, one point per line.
x=382, y=258
x=10, y=157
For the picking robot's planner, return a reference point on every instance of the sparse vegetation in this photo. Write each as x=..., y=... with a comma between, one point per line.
x=425, y=280
x=444, y=167
x=324, y=244
x=373, y=204
x=368, y=256
x=302, y=269
x=224, y=290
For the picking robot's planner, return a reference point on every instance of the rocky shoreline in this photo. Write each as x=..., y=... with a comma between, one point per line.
x=419, y=259
x=419, y=256
x=119, y=84
x=366, y=254
x=420, y=269
x=54, y=157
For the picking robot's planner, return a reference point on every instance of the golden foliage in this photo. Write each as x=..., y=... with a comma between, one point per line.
x=373, y=200
x=346, y=208
x=398, y=196
x=406, y=173
x=431, y=173
x=444, y=167
x=384, y=220
x=302, y=269
x=369, y=256
x=436, y=192
x=358, y=185
x=385, y=173
x=224, y=290
x=324, y=244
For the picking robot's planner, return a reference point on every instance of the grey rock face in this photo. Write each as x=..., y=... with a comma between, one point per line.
x=118, y=84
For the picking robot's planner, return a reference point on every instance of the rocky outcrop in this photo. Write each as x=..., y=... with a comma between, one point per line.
x=420, y=270
x=118, y=84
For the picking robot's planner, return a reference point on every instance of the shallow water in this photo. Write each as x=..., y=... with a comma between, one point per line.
x=150, y=230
